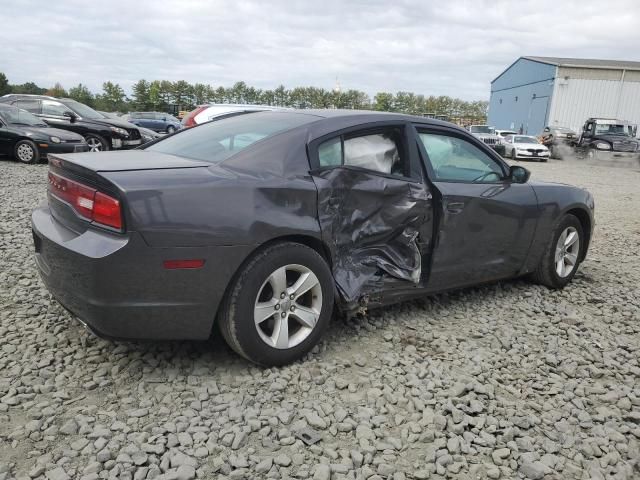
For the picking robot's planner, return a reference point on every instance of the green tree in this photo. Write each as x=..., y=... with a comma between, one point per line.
x=29, y=88
x=112, y=98
x=57, y=91
x=182, y=94
x=4, y=84
x=383, y=102
x=82, y=94
x=141, y=99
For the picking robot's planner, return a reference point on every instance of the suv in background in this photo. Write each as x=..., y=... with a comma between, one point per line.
x=488, y=135
x=156, y=121
x=101, y=133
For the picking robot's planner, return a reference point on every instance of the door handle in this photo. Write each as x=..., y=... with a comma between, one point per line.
x=455, y=207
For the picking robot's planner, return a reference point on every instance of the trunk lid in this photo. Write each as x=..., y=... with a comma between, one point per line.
x=92, y=170
x=126, y=161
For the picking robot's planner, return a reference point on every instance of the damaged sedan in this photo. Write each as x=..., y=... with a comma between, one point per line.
x=262, y=224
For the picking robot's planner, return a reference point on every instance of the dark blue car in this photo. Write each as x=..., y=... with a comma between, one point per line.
x=156, y=121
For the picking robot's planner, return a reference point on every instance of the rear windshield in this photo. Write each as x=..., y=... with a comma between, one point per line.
x=218, y=140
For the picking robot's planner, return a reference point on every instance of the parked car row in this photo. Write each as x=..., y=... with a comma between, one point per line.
x=29, y=139
x=96, y=131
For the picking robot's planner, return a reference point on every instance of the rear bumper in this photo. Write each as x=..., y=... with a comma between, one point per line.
x=118, y=287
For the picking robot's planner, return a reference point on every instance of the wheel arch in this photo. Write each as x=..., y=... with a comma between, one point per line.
x=310, y=241
x=585, y=221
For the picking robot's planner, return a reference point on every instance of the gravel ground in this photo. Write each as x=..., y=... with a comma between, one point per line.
x=506, y=381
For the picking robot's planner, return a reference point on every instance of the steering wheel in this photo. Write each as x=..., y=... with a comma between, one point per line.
x=485, y=175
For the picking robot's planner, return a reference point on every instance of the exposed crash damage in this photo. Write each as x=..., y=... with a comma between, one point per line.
x=373, y=225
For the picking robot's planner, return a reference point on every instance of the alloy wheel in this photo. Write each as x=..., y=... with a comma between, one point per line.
x=288, y=306
x=95, y=145
x=567, y=250
x=25, y=153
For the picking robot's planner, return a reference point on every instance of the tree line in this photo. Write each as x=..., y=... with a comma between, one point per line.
x=163, y=95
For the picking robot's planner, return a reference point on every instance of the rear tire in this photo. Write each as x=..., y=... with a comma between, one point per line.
x=550, y=272
x=264, y=326
x=170, y=129
x=26, y=151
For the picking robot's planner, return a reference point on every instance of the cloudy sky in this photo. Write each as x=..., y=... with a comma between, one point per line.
x=435, y=48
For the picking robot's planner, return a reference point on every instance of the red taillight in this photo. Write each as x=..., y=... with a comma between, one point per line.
x=86, y=201
x=106, y=210
x=189, y=119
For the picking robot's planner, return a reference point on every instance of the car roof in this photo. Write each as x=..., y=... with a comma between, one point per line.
x=332, y=120
x=372, y=116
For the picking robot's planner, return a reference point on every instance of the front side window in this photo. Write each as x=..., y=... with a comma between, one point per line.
x=216, y=141
x=379, y=152
x=82, y=110
x=456, y=160
x=56, y=109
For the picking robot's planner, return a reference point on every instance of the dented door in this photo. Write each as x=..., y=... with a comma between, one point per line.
x=379, y=226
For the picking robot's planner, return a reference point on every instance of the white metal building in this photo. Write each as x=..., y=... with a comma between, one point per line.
x=537, y=91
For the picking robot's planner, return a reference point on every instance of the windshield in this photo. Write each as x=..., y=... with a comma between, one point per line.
x=218, y=140
x=520, y=139
x=15, y=116
x=613, y=129
x=82, y=110
x=482, y=129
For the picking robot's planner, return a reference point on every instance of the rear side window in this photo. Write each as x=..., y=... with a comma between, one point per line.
x=32, y=106
x=380, y=152
x=216, y=141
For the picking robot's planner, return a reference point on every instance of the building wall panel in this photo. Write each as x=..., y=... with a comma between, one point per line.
x=520, y=97
x=575, y=100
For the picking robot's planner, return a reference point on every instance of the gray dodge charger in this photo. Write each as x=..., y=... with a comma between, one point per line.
x=264, y=223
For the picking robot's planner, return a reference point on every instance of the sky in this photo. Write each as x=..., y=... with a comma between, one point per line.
x=444, y=47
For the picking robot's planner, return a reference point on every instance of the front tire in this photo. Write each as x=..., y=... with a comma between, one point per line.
x=96, y=143
x=562, y=255
x=26, y=151
x=170, y=129
x=513, y=154
x=279, y=304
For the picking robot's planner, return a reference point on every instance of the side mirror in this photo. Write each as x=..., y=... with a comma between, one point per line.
x=518, y=174
x=72, y=116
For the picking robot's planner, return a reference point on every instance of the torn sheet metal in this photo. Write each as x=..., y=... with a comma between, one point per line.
x=372, y=224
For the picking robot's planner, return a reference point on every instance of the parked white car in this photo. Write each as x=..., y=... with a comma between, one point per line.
x=505, y=133
x=205, y=113
x=525, y=146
